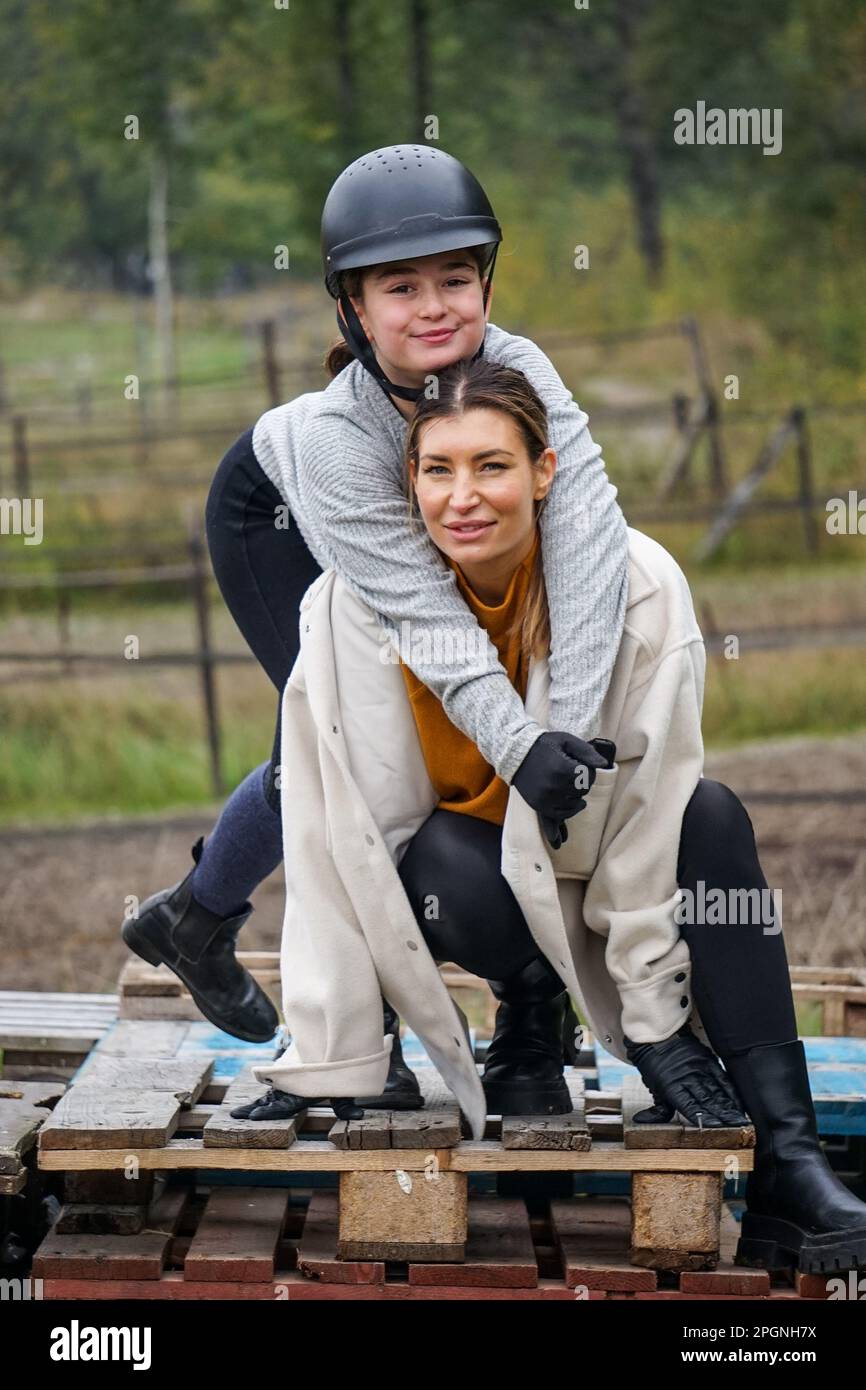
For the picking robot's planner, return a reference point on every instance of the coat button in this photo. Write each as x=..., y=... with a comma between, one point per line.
x=306, y=627
x=538, y=867
x=335, y=730
x=608, y=1038
x=680, y=977
x=369, y=839
x=413, y=945
x=684, y=1003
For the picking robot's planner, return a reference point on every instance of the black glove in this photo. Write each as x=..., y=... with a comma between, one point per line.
x=685, y=1076
x=546, y=778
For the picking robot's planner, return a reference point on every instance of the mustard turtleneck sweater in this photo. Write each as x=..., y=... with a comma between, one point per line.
x=461, y=776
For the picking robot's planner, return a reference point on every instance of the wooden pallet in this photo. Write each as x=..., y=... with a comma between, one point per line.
x=841, y=995
x=149, y=1100
x=254, y=1243
x=46, y=1036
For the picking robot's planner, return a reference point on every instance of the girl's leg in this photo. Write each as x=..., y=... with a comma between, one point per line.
x=740, y=978
x=263, y=573
x=191, y=927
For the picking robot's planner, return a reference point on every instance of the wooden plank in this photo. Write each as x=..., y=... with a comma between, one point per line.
x=138, y=1256
x=546, y=1131
x=372, y=1131
x=402, y=1216
x=675, y=1220
x=135, y=1257
x=727, y=1278
x=677, y=1135
x=138, y=977
x=184, y=1078
x=238, y=1235
x=224, y=1131
x=317, y=1251
x=131, y=1038
x=87, y=1118
x=31, y=1039
x=20, y=1123
x=437, y=1128
x=98, y=1218
x=593, y=1235
x=33, y=1093
x=469, y=1156
x=47, y=997
x=289, y=1286
x=499, y=1250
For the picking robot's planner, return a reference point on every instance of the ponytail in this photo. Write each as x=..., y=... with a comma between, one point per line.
x=338, y=356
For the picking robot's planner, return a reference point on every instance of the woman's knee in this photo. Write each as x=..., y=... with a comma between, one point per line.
x=715, y=820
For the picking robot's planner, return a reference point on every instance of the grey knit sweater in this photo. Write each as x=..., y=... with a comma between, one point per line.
x=336, y=457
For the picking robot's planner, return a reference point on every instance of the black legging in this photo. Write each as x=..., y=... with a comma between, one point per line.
x=263, y=572
x=740, y=979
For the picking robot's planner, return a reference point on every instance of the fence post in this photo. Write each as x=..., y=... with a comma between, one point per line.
x=205, y=654
x=269, y=358
x=804, y=468
x=20, y=460
x=718, y=470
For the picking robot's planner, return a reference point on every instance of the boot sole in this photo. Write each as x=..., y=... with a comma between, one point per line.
x=138, y=942
x=767, y=1242
x=405, y=1102
x=505, y=1100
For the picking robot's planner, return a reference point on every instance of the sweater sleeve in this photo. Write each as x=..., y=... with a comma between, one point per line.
x=584, y=547
x=354, y=490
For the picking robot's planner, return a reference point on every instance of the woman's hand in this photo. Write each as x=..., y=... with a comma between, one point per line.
x=685, y=1076
x=553, y=777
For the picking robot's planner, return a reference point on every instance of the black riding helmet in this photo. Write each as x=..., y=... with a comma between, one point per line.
x=402, y=200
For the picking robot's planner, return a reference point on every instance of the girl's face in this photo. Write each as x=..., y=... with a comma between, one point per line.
x=476, y=487
x=423, y=314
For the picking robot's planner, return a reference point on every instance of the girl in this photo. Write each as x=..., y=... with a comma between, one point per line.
x=409, y=242
x=404, y=847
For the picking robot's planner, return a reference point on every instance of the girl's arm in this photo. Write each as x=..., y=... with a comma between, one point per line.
x=350, y=484
x=584, y=546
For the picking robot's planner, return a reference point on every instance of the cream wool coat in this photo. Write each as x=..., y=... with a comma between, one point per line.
x=355, y=789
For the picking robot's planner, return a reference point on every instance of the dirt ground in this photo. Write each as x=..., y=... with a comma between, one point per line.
x=63, y=891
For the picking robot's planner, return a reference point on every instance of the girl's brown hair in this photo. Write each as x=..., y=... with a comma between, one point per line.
x=483, y=385
x=339, y=354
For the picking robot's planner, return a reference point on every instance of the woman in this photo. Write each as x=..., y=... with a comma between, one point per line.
x=409, y=240
x=404, y=847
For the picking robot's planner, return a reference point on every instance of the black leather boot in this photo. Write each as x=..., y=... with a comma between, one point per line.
x=282, y=1105
x=173, y=929
x=798, y=1212
x=402, y=1091
x=523, y=1067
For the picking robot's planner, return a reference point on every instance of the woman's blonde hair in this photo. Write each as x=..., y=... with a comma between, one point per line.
x=339, y=354
x=483, y=385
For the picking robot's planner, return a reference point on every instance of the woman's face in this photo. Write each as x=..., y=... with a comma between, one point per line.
x=423, y=314
x=476, y=487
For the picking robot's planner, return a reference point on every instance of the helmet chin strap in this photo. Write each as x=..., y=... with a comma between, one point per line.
x=350, y=326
